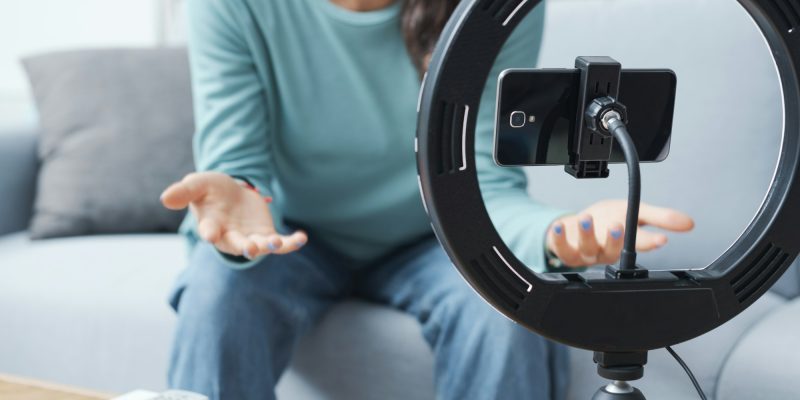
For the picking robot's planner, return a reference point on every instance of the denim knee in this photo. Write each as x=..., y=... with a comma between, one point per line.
x=222, y=295
x=237, y=327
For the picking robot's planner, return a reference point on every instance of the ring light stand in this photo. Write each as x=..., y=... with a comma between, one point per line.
x=619, y=317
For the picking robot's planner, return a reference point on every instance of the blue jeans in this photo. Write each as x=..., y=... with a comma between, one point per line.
x=236, y=329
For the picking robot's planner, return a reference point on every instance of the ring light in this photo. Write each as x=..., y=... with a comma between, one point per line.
x=587, y=309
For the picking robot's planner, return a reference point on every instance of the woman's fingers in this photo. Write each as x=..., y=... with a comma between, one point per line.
x=588, y=248
x=614, y=242
x=209, y=230
x=267, y=244
x=559, y=245
x=179, y=195
x=292, y=243
x=258, y=245
x=649, y=241
x=277, y=244
x=665, y=218
x=237, y=244
x=586, y=252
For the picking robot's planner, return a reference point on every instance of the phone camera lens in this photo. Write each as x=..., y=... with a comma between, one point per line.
x=518, y=119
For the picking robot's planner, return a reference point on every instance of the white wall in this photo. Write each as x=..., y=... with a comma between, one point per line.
x=35, y=26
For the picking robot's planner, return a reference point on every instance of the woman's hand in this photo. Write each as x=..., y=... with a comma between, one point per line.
x=595, y=235
x=235, y=219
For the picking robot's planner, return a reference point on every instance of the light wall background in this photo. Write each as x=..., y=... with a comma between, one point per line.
x=29, y=27
x=716, y=68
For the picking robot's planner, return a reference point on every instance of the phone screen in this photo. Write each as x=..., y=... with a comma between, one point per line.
x=537, y=114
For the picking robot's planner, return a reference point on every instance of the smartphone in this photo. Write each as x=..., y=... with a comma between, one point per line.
x=537, y=114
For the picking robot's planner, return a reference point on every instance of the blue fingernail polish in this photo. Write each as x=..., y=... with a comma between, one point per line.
x=558, y=229
x=586, y=224
x=246, y=253
x=272, y=247
x=616, y=234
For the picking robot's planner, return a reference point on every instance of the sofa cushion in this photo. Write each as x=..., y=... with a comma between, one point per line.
x=765, y=363
x=361, y=351
x=88, y=312
x=116, y=130
x=92, y=312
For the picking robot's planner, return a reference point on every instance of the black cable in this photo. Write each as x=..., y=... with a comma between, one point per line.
x=620, y=133
x=688, y=372
x=628, y=259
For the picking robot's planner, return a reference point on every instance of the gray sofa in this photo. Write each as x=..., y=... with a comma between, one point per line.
x=92, y=312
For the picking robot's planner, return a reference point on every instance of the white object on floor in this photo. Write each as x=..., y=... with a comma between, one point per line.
x=137, y=395
x=168, y=395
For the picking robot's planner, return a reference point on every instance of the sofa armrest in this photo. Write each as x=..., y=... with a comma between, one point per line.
x=764, y=364
x=18, y=169
x=789, y=284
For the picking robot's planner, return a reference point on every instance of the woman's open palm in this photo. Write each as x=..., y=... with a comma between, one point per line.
x=235, y=219
x=596, y=234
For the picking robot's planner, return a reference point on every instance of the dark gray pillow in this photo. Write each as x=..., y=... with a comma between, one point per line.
x=116, y=130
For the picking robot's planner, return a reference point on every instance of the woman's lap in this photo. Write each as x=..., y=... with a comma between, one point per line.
x=237, y=328
x=254, y=317
x=479, y=352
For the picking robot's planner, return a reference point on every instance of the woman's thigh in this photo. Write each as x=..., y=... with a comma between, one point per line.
x=237, y=327
x=479, y=352
x=294, y=288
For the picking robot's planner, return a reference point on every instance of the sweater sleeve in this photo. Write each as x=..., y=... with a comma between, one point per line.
x=229, y=98
x=521, y=222
x=232, y=126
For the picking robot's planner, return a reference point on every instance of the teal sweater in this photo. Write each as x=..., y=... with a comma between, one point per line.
x=316, y=105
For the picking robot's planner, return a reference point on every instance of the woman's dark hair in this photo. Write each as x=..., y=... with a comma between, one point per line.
x=422, y=22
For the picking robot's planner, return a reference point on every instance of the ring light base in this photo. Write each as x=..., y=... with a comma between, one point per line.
x=618, y=391
x=620, y=368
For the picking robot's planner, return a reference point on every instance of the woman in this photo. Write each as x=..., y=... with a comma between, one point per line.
x=312, y=102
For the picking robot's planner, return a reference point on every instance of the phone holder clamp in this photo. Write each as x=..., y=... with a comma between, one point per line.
x=601, y=111
x=590, y=149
